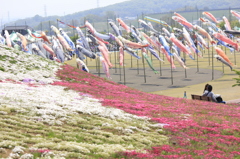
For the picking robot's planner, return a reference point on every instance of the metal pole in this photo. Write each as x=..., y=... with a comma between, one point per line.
x=144, y=71
x=145, y=78
x=124, y=75
x=99, y=69
x=203, y=51
x=109, y=46
x=171, y=61
x=235, y=61
x=208, y=54
x=234, y=52
x=95, y=50
x=184, y=55
x=96, y=65
x=197, y=64
x=131, y=62
x=137, y=65
x=171, y=69
x=111, y=51
x=160, y=64
x=151, y=56
x=86, y=60
x=197, y=55
x=115, y=57
x=85, y=36
x=223, y=67
x=120, y=72
x=222, y=63
x=212, y=66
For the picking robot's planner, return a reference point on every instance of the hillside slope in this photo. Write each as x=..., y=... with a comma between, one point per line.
x=41, y=119
x=53, y=110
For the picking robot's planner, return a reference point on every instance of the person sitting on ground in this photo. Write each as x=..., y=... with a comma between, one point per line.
x=205, y=88
x=209, y=93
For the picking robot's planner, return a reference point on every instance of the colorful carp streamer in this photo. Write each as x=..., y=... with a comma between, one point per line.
x=210, y=17
x=159, y=22
x=236, y=14
x=170, y=42
x=149, y=62
x=69, y=24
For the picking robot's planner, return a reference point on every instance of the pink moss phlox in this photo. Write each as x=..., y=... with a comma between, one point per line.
x=201, y=129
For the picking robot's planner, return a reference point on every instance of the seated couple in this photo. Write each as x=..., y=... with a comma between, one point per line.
x=215, y=97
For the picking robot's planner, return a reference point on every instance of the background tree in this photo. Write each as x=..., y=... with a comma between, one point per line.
x=233, y=23
x=237, y=79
